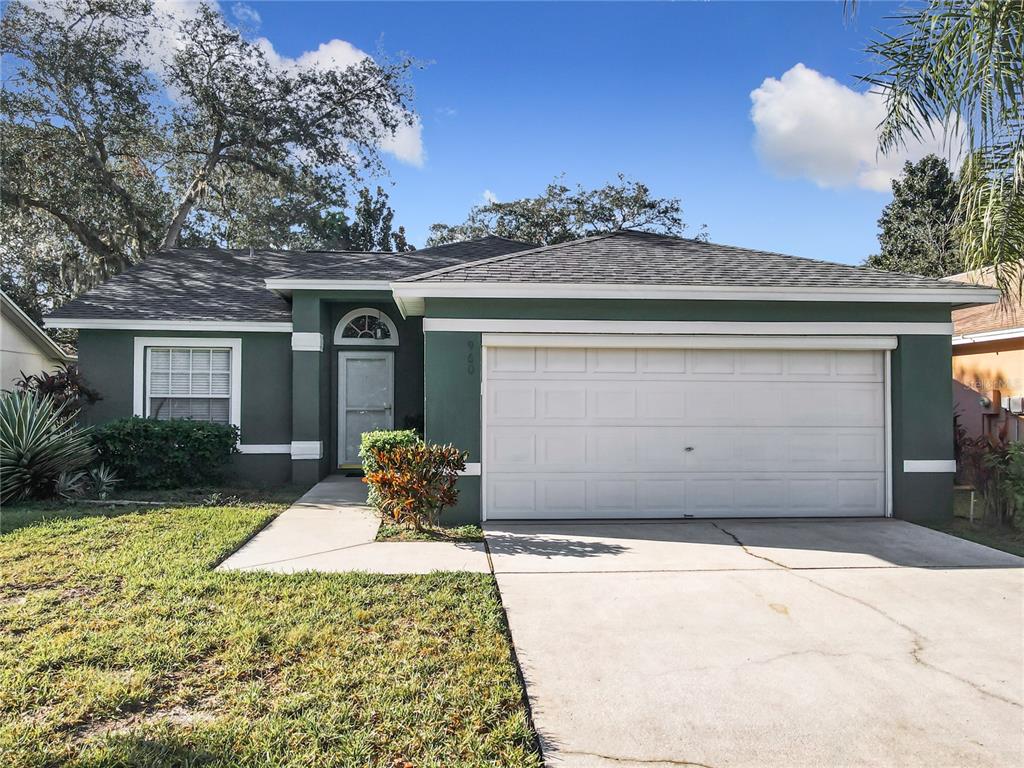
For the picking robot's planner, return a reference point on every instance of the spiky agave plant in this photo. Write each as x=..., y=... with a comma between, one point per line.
x=37, y=443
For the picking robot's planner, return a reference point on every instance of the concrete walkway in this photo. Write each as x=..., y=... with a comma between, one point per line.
x=332, y=529
x=765, y=644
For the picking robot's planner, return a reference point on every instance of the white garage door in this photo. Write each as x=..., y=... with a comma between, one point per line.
x=592, y=433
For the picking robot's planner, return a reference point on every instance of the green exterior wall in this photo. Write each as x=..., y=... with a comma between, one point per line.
x=920, y=377
x=451, y=379
x=922, y=426
x=106, y=359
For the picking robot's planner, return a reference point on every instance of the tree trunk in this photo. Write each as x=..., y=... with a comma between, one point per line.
x=195, y=189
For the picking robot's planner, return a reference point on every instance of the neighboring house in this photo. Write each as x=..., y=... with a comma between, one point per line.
x=24, y=346
x=988, y=361
x=622, y=375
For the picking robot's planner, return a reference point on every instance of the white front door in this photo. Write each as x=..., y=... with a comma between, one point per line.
x=365, y=399
x=607, y=432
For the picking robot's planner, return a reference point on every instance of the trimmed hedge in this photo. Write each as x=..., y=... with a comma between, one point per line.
x=151, y=454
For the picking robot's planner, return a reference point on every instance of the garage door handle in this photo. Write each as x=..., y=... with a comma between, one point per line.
x=688, y=449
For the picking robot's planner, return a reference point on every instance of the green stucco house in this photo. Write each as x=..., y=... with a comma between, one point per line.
x=625, y=375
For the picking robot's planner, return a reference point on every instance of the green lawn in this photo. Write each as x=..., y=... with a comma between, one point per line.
x=120, y=647
x=389, y=532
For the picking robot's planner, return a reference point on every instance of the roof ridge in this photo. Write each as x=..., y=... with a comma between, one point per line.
x=502, y=257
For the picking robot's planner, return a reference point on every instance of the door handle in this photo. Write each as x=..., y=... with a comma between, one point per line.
x=688, y=449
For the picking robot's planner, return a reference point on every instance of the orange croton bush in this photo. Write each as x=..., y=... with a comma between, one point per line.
x=414, y=483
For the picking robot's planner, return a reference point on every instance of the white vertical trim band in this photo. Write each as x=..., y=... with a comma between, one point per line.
x=887, y=427
x=930, y=465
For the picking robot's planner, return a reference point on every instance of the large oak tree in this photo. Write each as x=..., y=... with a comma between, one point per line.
x=562, y=213
x=111, y=150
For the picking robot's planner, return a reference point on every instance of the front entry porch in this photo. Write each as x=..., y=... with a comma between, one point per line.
x=357, y=366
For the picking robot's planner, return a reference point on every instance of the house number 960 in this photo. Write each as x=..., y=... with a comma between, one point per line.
x=470, y=359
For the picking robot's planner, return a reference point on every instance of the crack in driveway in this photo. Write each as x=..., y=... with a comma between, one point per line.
x=917, y=639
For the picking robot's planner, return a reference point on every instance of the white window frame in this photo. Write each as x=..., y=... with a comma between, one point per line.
x=339, y=329
x=140, y=397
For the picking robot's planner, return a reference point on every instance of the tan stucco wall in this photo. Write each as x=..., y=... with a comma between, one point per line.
x=19, y=353
x=977, y=370
x=993, y=365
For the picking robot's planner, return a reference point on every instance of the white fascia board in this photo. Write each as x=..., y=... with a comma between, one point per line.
x=957, y=296
x=310, y=284
x=653, y=327
x=238, y=326
x=978, y=338
x=668, y=341
x=29, y=327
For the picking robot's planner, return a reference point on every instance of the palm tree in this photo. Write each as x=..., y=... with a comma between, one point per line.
x=957, y=67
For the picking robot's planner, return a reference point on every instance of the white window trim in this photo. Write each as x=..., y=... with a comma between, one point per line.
x=142, y=343
x=350, y=316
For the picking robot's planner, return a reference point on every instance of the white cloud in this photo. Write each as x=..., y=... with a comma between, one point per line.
x=811, y=126
x=246, y=14
x=489, y=197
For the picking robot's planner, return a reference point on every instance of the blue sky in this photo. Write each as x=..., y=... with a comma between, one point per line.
x=515, y=93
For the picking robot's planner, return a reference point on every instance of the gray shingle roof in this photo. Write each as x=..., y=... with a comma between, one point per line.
x=631, y=257
x=220, y=284
x=392, y=266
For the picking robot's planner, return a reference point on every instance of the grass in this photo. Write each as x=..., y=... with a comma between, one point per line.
x=120, y=647
x=389, y=532
x=981, y=532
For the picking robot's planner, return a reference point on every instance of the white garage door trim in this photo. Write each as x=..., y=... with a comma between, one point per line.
x=639, y=341
x=884, y=344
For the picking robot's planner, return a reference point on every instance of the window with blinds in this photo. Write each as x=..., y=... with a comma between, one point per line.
x=189, y=383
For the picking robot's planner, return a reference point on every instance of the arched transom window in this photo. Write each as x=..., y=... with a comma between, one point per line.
x=366, y=327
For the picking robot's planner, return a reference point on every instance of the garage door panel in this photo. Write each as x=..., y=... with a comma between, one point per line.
x=618, y=449
x=663, y=495
x=695, y=432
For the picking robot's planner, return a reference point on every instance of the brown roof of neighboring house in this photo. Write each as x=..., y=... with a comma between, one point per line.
x=988, y=318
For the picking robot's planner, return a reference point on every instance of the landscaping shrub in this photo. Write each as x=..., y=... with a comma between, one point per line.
x=414, y=483
x=150, y=454
x=39, y=443
x=995, y=467
x=64, y=385
x=382, y=440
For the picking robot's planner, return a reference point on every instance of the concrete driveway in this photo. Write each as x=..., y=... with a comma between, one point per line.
x=765, y=643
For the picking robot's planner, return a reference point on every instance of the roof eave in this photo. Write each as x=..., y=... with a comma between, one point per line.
x=28, y=326
x=413, y=293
